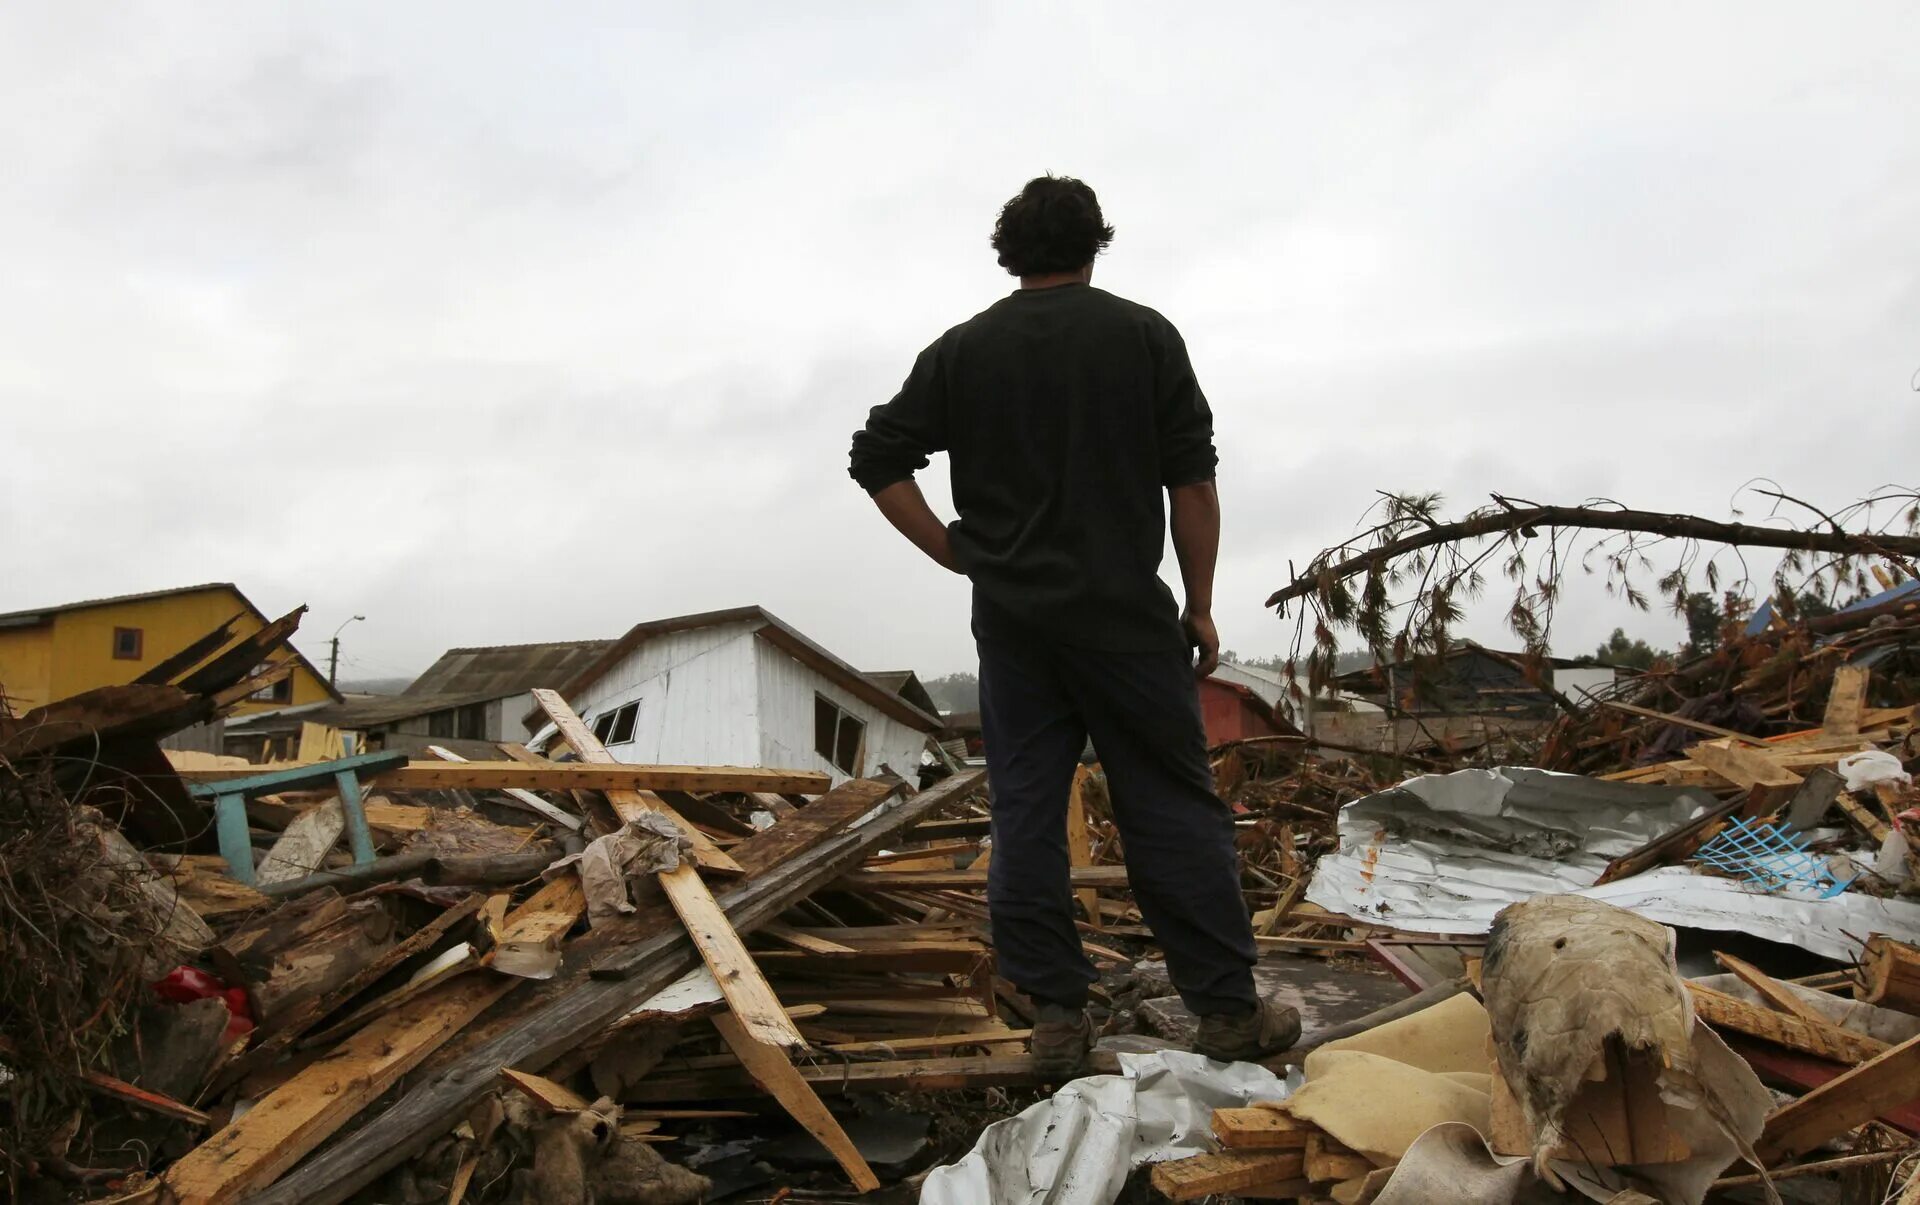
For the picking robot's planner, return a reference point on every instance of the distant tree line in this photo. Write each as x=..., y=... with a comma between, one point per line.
x=1710, y=623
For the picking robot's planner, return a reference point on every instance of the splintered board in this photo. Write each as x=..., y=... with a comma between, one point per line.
x=740, y=979
x=1199, y=1176
x=1259, y=1130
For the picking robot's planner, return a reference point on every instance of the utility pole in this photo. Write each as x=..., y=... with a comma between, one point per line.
x=333, y=656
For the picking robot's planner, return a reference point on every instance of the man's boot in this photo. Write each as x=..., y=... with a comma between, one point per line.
x=1062, y=1037
x=1247, y=1037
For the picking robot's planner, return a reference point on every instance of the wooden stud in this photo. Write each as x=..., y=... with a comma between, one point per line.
x=1259, y=1130
x=1822, y=1039
x=1200, y=1176
x=770, y=1069
x=1846, y=698
x=1080, y=842
x=746, y=989
x=1778, y=997
x=585, y=775
x=1891, y=973
x=549, y=1096
x=305, y=1110
x=1885, y=1082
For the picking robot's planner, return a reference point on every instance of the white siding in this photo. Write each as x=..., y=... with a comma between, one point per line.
x=1581, y=685
x=696, y=692
x=787, y=689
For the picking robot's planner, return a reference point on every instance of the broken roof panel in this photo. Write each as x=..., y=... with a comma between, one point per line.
x=495, y=671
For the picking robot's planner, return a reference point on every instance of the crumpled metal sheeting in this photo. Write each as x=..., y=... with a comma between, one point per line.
x=1078, y=1147
x=1444, y=852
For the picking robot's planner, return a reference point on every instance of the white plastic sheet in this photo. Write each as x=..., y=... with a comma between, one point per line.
x=1077, y=1148
x=1443, y=853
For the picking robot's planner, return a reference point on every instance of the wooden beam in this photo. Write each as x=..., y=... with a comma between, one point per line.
x=268, y=1047
x=628, y=804
x=1885, y=1082
x=520, y=795
x=1199, y=1176
x=965, y=880
x=1259, y=1130
x=901, y=1075
x=748, y=994
x=1080, y=842
x=1846, y=699
x=308, y=1107
x=1777, y=996
x=770, y=1069
x=1891, y=972
x=549, y=1096
x=1820, y=1039
x=1683, y=722
x=1743, y=767
x=785, y=863
x=584, y=775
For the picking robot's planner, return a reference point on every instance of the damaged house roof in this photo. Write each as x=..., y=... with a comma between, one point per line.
x=495, y=671
x=776, y=631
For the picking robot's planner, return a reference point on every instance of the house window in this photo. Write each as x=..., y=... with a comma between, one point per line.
x=274, y=692
x=440, y=724
x=836, y=735
x=616, y=727
x=127, y=643
x=470, y=722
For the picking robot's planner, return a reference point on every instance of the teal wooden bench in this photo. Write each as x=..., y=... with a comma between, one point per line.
x=230, y=803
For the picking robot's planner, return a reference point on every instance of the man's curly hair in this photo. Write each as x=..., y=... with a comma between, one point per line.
x=1054, y=225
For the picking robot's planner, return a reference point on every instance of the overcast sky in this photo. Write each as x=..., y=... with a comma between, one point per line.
x=504, y=323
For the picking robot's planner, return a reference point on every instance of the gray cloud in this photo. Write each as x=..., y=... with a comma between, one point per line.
x=499, y=322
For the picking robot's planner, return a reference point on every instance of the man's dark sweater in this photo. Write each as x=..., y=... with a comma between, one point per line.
x=1065, y=413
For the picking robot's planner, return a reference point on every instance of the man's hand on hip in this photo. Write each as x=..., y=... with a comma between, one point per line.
x=1201, y=634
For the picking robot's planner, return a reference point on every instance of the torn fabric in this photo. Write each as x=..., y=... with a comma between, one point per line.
x=648, y=844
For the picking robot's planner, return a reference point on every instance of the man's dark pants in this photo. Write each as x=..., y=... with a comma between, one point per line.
x=1039, y=702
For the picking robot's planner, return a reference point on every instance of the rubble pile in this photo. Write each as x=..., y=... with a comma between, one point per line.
x=1671, y=955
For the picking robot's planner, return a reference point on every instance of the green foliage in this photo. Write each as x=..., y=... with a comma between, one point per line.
x=955, y=692
x=1632, y=654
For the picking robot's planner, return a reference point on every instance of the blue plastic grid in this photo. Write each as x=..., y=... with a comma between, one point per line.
x=1771, y=857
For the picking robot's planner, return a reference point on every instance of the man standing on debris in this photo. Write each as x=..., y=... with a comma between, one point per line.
x=1066, y=412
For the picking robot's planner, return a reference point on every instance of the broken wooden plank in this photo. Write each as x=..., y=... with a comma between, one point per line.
x=628, y=804
x=1887, y=1081
x=272, y=1043
x=1822, y=1039
x=951, y=1041
x=549, y=1096
x=1199, y=1176
x=1259, y=1130
x=584, y=775
x=896, y=1075
x=520, y=795
x=303, y=847
x=1080, y=842
x=1777, y=996
x=302, y=1112
x=1682, y=721
x=963, y=880
x=769, y=1067
x=785, y=863
x=1742, y=766
x=1846, y=699
x=1890, y=971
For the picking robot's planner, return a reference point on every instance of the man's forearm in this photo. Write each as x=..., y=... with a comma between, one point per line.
x=1196, y=540
x=906, y=508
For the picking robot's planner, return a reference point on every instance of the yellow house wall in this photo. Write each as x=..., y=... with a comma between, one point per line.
x=82, y=642
x=26, y=667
